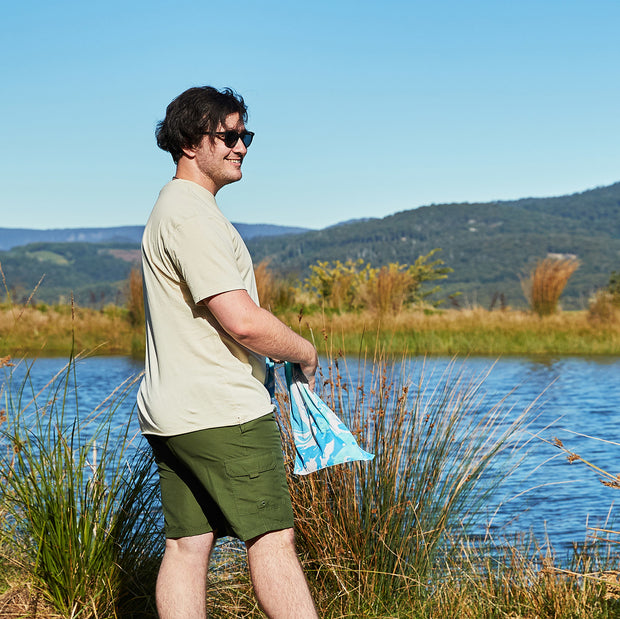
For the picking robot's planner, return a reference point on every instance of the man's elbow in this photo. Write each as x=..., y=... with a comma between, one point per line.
x=242, y=326
x=241, y=330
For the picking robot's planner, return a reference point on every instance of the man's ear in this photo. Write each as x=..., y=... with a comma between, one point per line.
x=190, y=153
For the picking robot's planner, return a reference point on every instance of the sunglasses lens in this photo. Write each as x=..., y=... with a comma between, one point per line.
x=247, y=139
x=230, y=138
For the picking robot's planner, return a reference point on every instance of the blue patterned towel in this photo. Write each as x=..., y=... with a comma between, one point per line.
x=321, y=439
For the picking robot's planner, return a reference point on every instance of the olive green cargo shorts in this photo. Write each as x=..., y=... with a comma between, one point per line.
x=227, y=480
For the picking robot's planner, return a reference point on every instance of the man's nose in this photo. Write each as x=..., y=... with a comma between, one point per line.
x=240, y=147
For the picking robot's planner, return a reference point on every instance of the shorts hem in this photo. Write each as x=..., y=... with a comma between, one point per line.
x=258, y=531
x=178, y=533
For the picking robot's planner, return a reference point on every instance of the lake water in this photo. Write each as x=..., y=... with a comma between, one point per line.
x=577, y=401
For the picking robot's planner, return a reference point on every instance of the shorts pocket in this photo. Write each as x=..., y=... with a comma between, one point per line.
x=257, y=484
x=251, y=467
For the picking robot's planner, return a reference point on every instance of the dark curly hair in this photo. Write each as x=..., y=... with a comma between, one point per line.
x=193, y=113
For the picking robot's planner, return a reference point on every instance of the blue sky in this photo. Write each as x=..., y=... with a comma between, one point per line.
x=361, y=109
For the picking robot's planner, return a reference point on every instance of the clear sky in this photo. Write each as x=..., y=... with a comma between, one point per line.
x=361, y=109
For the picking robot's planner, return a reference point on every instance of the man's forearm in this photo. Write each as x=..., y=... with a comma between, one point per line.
x=260, y=331
x=269, y=336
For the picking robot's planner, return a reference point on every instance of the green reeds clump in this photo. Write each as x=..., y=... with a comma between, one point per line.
x=546, y=283
x=78, y=500
x=376, y=535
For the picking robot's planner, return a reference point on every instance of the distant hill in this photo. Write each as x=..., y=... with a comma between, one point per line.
x=14, y=237
x=489, y=245
x=93, y=264
x=95, y=273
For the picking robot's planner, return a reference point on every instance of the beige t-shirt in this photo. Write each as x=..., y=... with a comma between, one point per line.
x=196, y=375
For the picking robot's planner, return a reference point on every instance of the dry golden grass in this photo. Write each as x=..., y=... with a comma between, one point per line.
x=546, y=283
x=135, y=298
x=414, y=331
x=604, y=308
x=56, y=331
x=273, y=292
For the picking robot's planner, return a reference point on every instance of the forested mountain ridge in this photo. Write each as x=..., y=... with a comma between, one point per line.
x=94, y=273
x=489, y=245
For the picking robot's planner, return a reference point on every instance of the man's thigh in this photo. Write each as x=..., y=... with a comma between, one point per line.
x=228, y=480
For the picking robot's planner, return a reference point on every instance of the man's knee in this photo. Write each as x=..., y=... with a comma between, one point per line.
x=195, y=545
x=283, y=538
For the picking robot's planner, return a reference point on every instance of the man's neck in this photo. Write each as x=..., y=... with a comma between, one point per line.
x=187, y=172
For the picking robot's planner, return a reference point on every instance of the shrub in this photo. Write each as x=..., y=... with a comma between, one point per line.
x=348, y=286
x=613, y=287
x=336, y=284
x=604, y=308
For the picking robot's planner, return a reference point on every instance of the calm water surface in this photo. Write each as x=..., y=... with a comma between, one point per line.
x=576, y=398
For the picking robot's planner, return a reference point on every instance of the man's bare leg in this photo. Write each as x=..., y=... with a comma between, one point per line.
x=182, y=581
x=277, y=577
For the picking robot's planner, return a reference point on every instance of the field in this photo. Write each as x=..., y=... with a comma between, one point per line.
x=57, y=330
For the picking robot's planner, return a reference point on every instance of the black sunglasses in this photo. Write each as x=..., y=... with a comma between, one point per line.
x=230, y=137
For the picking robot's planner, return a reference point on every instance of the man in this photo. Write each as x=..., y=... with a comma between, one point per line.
x=202, y=402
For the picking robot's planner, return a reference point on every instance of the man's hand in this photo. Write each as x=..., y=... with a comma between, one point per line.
x=309, y=370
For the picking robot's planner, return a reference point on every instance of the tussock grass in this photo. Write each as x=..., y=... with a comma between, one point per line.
x=274, y=292
x=545, y=284
x=378, y=530
x=78, y=499
x=135, y=298
x=391, y=538
x=604, y=308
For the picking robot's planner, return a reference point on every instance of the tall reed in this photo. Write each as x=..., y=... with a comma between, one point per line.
x=275, y=293
x=376, y=532
x=135, y=298
x=387, y=289
x=79, y=499
x=546, y=283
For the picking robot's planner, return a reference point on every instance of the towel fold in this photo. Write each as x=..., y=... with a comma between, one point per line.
x=321, y=438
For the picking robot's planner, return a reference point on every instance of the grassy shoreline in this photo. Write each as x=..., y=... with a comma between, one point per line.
x=382, y=539
x=56, y=331
x=469, y=332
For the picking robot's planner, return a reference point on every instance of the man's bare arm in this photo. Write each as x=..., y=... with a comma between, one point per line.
x=260, y=331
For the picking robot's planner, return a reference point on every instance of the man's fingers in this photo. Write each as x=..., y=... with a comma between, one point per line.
x=311, y=382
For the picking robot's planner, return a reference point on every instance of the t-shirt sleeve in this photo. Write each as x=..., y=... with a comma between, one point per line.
x=204, y=254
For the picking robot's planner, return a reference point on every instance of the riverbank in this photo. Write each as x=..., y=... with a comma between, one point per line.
x=51, y=331
x=56, y=331
x=378, y=539
x=465, y=332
